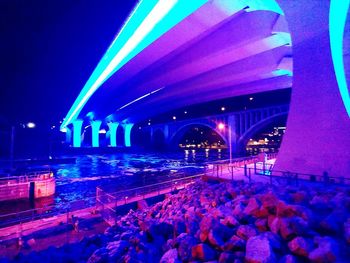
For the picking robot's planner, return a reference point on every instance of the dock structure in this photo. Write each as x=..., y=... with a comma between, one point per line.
x=29, y=186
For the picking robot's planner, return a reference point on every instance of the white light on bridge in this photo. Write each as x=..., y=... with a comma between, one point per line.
x=102, y=131
x=174, y=118
x=31, y=125
x=251, y=98
x=223, y=108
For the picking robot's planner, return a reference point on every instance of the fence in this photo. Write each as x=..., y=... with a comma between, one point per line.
x=253, y=170
x=107, y=203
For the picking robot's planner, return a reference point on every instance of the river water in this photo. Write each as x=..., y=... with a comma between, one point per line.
x=78, y=181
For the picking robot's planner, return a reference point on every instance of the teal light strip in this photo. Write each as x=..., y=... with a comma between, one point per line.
x=150, y=20
x=337, y=20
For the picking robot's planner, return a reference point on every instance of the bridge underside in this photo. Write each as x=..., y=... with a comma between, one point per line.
x=173, y=54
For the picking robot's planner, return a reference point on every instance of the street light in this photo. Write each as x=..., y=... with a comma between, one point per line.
x=221, y=127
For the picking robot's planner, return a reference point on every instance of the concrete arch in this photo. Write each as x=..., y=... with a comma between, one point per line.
x=244, y=138
x=174, y=139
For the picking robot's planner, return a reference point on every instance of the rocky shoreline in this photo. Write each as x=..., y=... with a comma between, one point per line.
x=224, y=222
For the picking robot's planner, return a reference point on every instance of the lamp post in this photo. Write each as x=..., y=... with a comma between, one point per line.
x=221, y=127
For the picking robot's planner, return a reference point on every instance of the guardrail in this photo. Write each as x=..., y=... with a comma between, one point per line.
x=45, y=212
x=107, y=203
x=264, y=170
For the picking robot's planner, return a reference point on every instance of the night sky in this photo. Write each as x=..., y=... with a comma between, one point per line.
x=48, y=49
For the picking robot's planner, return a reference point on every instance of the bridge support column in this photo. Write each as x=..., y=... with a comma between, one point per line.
x=68, y=132
x=127, y=134
x=77, y=124
x=232, y=140
x=113, y=126
x=95, y=129
x=318, y=127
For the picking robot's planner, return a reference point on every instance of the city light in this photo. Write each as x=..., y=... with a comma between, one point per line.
x=102, y=131
x=223, y=108
x=174, y=118
x=251, y=98
x=221, y=126
x=31, y=125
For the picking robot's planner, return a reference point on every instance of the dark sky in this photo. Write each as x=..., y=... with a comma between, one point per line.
x=48, y=49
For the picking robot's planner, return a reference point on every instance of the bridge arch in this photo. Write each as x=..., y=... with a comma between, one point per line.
x=174, y=140
x=257, y=127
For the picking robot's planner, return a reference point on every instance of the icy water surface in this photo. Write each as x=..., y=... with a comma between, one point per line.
x=78, y=181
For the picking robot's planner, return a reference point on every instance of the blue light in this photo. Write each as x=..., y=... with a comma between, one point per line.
x=337, y=19
x=77, y=124
x=113, y=126
x=147, y=23
x=95, y=129
x=127, y=134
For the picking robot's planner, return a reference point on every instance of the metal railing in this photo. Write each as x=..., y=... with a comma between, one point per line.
x=45, y=212
x=26, y=178
x=262, y=171
x=107, y=203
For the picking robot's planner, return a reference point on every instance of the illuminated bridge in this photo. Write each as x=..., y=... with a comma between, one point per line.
x=174, y=53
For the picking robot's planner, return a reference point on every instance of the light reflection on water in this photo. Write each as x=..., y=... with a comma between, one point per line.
x=118, y=171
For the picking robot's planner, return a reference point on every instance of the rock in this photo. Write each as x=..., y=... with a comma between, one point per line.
x=203, y=252
x=333, y=223
x=261, y=224
x=259, y=250
x=253, y=207
x=185, y=243
x=163, y=229
x=347, y=230
x=117, y=248
x=327, y=250
x=230, y=221
x=206, y=224
x=300, y=197
x=170, y=257
x=274, y=224
x=300, y=246
x=226, y=257
x=288, y=259
x=126, y=235
x=192, y=226
x=215, y=239
x=179, y=227
x=274, y=239
x=238, y=210
x=292, y=227
x=269, y=201
x=246, y=231
x=100, y=255
x=234, y=244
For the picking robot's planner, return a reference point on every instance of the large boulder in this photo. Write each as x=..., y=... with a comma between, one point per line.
x=185, y=242
x=203, y=252
x=333, y=223
x=226, y=257
x=234, y=244
x=229, y=221
x=117, y=248
x=327, y=250
x=259, y=250
x=206, y=224
x=170, y=256
x=252, y=207
x=292, y=227
x=300, y=246
x=261, y=224
x=246, y=231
